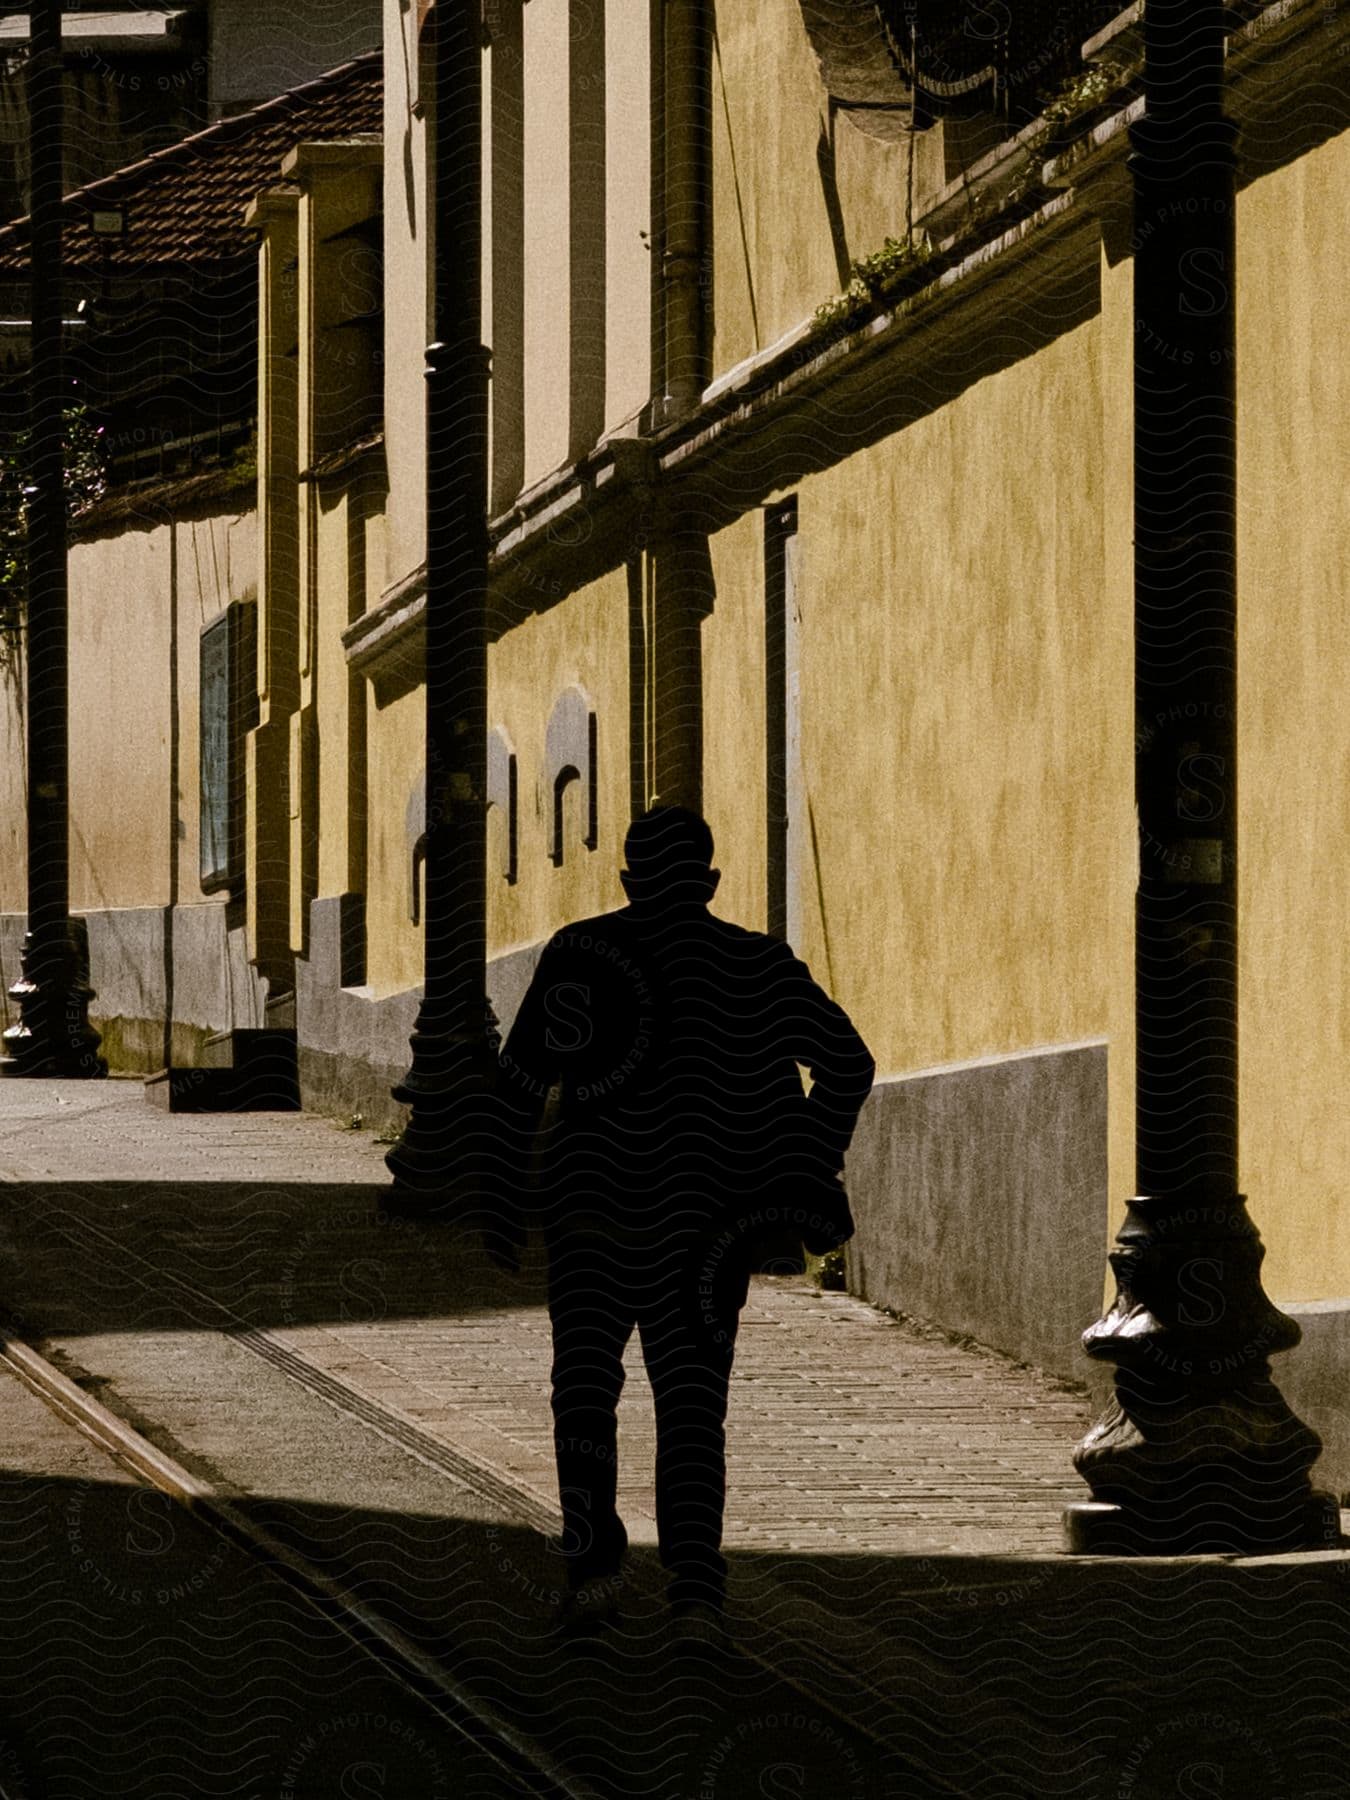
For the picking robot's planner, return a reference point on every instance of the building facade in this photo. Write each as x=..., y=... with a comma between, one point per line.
x=811, y=491
x=161, y=277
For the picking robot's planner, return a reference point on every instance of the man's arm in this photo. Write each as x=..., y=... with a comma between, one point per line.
x=528, y=1067
x=824, y=1040
x=526, y=1071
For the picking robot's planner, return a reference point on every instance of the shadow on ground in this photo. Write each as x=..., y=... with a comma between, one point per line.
x=85, y=1258
x=143, y=1654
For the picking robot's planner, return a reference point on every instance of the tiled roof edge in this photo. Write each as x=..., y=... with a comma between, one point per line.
x=157, y=501
x=234, y=125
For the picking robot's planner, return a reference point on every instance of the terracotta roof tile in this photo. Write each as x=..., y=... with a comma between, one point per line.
x=185, y=203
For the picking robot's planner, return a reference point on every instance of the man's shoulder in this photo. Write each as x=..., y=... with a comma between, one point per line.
x=611, y=934
x=598, y=934
x=757, y=949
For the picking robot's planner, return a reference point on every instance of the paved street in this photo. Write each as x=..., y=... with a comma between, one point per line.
x=116, y=1606
x=372, y=1397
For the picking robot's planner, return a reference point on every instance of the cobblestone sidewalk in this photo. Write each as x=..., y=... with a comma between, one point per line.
x=849, y=1431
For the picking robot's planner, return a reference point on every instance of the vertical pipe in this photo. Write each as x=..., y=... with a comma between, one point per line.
x=54, y=1035
x=778, y=521
x=171, y=899
x=685, y=594
x=586, y=174
x=1186, y=610
x=1199, y=1450
x=48, y=705
x=446, y=1083
x=657, y=194
x=686, y=263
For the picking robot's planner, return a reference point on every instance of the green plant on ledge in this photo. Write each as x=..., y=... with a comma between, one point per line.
x=896, y=257
x=86, y=482
x=1079, y=94
x=244, y=462
x=874, y=277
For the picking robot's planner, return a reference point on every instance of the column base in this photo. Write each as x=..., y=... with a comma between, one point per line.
x=53, y=1038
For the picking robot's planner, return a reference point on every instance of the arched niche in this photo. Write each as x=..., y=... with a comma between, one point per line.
x=569, y=755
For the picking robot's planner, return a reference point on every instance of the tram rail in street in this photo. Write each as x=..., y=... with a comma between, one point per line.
x=527, y=1764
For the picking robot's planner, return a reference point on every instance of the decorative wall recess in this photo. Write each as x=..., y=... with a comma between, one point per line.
x=569, y=755
x=503, y=790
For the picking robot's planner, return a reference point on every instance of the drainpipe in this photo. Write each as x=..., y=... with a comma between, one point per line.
x=686, y=260
x=447, y=1084
x=53, y=1035
x=1199, y=1451
x=683, y=574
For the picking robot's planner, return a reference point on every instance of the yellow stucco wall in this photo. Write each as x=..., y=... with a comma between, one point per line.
x=583, y=641
x=13, y=790
x=547, y=345
x=628, y=211
x=396, y=754
x=1294, y=669
x=127, y=822
x=775, y=255
x=330, y=687
x=768, y=110
x=121, y=830
x=405, y=263
x=966, y=724
x=1115, y=340
x=733, y=698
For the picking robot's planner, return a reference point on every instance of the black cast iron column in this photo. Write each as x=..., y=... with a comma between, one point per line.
x=1199, y=1451
x=53, y=1035
x=448, y=1085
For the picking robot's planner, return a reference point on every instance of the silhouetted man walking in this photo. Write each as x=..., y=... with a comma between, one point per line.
x=682, y=1128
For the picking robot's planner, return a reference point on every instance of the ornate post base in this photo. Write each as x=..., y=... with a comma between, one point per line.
x=53, y=1036
x=1199, y=1452
x=439, y=1160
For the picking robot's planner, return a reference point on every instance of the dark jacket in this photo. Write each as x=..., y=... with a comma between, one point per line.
x=677, y=1039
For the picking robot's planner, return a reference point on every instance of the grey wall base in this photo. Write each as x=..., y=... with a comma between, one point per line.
x=353, y=1044
x=1314, y=1378
x=138, y=957
x=980, y=1195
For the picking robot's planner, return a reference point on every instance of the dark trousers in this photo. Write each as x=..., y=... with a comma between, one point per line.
x=685, y=1305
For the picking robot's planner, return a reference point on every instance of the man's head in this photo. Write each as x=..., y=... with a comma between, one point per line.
x=669, y=852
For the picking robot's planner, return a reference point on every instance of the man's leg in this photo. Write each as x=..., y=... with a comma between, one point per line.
x=688, y=1331
x=591, y=1325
